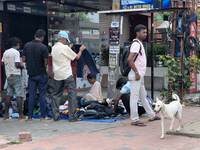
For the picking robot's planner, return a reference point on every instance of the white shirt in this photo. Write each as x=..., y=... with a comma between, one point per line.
x=140, y=62
x=62, y=56
x=95, y=91
x=10, y=57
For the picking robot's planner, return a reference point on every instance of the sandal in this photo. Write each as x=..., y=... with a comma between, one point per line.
x=155, y=118
x=22, y=119
x=45, y=118
x=74, y=120
x=29, y=119
x=6, y=119
x=140, y=124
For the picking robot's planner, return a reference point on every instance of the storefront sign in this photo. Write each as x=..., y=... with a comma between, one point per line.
x=34, y=11
x=19, y=8
x=115, y=24
x=113, y=36
x=193, y=32
x=153, y=4
x=27, y=9
x=114, y=49
x=11, y=7
x=104, y=40
x=41, y=12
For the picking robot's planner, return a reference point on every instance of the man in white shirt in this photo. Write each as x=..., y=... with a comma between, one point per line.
x=62, y=56
x=136, y=77
x=11, y=60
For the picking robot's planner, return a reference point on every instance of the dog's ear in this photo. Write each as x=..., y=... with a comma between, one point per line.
x=157, y=99
x=163, y=100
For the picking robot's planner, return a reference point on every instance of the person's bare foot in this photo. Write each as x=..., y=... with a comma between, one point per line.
x=6, y=117
x=22, y=118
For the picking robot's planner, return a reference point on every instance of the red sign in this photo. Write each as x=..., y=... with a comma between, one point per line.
x=193, y=32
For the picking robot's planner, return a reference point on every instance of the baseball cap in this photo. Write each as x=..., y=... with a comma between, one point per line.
x=64, y=34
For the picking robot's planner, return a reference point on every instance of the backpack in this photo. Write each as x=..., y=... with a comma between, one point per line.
x=124, y=66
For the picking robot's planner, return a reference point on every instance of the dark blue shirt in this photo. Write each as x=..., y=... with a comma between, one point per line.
x=35, y=52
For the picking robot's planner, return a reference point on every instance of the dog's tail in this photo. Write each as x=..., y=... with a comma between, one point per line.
x=175, y=96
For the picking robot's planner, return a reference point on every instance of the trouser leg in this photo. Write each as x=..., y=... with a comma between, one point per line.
x=72, y=95
x=32, y=86
x=42, y=87
x=145, y=103
x=56, y=98
x=126, y=101
x=135, y=90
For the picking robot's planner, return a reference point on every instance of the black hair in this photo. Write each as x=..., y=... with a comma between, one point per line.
x=120, y=82
x=139, y=27
x=40, y=33
x=90, y=76
x=14, y=41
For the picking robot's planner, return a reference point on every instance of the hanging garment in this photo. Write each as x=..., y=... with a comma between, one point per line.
x=86, y=58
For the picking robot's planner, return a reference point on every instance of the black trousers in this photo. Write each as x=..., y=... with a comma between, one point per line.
x=126, y=101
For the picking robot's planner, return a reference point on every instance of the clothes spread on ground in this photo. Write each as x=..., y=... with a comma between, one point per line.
x=86, y=58
x=97, y=110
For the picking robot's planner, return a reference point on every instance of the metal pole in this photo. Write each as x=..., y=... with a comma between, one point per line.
x=152, y=58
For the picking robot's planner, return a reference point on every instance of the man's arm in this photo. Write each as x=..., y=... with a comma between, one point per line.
x=2, y=63
x=24, y=58
x=46, y=61
x=82, y=48
x=116, y=100
x=19, y=65
x=132, y=65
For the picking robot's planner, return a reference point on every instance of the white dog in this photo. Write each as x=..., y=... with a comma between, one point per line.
x=169, y=111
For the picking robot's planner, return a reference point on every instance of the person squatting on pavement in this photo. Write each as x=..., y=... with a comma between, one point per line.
x=124, y=86
x=11, y=60
x=136, y=77
x=62, y=56
x=35, y=54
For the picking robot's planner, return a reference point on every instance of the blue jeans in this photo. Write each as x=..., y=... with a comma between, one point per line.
x=35, y=82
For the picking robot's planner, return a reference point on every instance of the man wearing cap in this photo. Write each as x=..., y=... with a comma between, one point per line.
x=62, y=56
x=35, y=54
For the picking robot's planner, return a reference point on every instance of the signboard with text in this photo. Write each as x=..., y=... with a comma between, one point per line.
x=114, y=36
x=193, y=32
x=152, y=4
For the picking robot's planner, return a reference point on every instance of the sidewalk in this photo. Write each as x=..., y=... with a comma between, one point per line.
x=121, y=136
x=50, y=135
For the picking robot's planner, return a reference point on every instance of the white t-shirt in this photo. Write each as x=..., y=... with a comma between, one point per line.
x=140, y=62
x=95, y=91
x=10, y=57
x=62, y=56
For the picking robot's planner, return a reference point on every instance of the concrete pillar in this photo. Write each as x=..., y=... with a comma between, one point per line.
x=113, y=68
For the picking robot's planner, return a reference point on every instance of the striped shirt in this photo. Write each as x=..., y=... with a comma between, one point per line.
x=126, y=90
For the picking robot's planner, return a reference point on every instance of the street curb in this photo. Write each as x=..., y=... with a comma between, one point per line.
x=187, y=133
x=192, y=135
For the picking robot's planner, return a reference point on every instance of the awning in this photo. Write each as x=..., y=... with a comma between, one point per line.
x=124, y=11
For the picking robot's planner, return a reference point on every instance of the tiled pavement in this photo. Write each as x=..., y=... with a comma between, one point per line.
x=122, y=137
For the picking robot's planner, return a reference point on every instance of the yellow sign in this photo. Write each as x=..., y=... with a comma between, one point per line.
x=0, y=27
x=115, y=6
